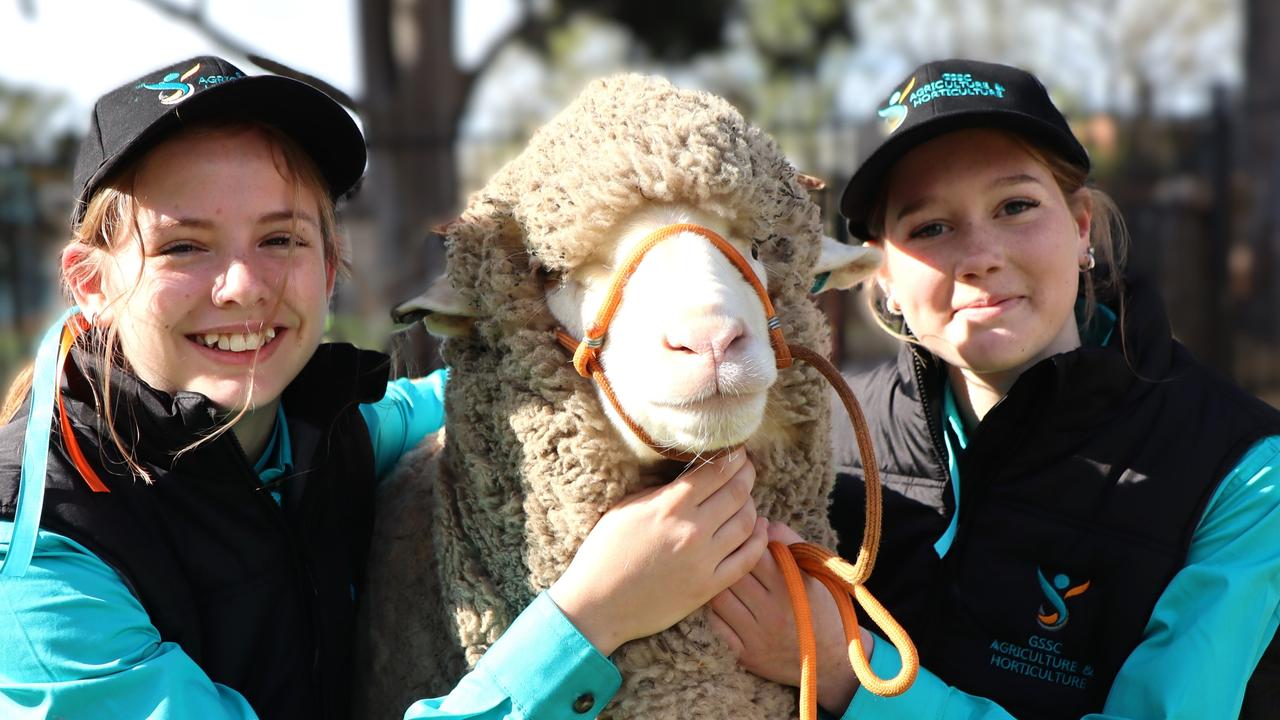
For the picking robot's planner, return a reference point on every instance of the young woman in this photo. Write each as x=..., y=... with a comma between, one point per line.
x=1079, y=519
x=187, y=476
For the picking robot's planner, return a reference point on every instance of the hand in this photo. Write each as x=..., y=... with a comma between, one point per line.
x=664, y=552
x=755, y=618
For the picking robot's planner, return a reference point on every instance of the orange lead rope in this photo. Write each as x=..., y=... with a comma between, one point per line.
x=840, y=578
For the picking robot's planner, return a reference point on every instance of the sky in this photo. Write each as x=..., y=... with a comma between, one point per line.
x=83, y=48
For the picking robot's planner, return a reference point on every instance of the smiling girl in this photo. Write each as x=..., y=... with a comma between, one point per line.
x=187, y=475
x=1080, y=520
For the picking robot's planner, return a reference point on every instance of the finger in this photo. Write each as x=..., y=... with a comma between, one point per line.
x=733, y=611
x=705, y=479
x=753, y=596
x=781, y=532
x=736, y=529
x=731, y=497
x=726, y=633
x=769, y=574
x=738, y=563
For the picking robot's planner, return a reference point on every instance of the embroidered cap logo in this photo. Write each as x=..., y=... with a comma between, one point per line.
x=174, y=88
x=1056, y=594
x=896, y=111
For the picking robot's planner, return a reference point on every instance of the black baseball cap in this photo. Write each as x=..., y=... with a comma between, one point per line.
x=135, y=117
x=946, y=95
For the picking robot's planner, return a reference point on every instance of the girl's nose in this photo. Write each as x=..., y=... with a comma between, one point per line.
x=982, y=253
x=241, y=283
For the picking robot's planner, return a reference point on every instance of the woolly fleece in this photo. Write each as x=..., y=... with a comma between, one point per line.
x=531, y=461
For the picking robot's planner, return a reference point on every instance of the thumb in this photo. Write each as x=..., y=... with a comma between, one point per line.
x=779, y=532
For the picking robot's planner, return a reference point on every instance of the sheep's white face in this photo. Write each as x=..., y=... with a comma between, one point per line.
x=688, y=351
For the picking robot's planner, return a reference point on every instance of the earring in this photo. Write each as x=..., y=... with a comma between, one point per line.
x=1090, y=262
x=892, y=306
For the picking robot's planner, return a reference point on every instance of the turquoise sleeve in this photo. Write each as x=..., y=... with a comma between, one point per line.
x=541, y=668
x=75, y=643
x=410, y=410
x=1220, y=611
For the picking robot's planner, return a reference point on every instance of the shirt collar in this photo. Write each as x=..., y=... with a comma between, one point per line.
x=277, y=458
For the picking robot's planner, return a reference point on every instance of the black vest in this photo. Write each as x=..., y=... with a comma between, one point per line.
x=259, y=595
x=1081, y=491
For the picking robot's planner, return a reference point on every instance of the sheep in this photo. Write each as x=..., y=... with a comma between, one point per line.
x=472, y=527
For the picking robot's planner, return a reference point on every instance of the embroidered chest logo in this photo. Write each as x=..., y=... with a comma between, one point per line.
x=174, y=88
x=1056, y=594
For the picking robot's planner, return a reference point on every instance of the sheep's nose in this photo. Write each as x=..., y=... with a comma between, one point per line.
x=703, y=335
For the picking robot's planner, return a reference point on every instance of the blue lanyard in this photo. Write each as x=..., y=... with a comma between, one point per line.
x=35, y=452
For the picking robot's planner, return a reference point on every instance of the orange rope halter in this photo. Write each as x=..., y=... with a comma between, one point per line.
x=840, y=578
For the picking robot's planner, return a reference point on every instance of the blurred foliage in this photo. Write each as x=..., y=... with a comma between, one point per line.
x=24, y=114
x=792, y=33
x=672, y=30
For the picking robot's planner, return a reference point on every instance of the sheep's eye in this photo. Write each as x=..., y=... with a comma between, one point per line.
x=550, y=280
x=755, y=250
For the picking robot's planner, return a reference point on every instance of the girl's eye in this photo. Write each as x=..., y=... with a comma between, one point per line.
x=755, y=250
x=284, y=241
x=1017, y=207
x=180, y=247
x=928, y=230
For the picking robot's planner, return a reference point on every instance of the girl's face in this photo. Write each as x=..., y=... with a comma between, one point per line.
x=228, y=293
x=983, y=253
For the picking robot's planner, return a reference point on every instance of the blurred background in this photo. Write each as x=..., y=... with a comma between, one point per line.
x=1177, y=100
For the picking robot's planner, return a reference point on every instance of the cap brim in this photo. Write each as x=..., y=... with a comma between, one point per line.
x=861, y=192
x=311, y=118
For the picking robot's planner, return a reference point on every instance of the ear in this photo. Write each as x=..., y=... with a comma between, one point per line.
x=842, y=266
x=82, y=268
x=1082, y=213
x=443, y=310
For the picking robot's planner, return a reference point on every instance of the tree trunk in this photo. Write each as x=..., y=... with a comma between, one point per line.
x=414, y=98
x=1262, y=128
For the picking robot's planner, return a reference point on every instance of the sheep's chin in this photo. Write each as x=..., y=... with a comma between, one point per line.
x=699, y=428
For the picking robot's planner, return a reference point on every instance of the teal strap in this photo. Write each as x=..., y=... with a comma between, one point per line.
x=35, y=452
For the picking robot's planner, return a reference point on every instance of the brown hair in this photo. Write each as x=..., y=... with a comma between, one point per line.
x=110, y=218
x=1107, y=237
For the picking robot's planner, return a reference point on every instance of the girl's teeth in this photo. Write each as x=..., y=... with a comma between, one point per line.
x=238, y=342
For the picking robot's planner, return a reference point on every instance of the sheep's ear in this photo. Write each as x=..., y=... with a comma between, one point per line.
x=842, y=266
x=441, y=308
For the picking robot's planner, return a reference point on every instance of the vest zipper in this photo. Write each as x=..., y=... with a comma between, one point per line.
x=302, y=568
x=935, y=432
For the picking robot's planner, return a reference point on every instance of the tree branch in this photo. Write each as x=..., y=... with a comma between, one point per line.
x=280, y=68
x=196, y=18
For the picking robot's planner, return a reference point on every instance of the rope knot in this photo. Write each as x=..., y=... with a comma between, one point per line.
x=586, y=356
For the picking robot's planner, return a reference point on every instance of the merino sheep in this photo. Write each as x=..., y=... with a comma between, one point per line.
x=467, y=535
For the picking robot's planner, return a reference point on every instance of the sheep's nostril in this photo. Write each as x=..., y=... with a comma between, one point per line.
x=709, y=336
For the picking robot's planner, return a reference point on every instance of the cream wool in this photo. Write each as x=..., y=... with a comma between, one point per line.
x=531, y=460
